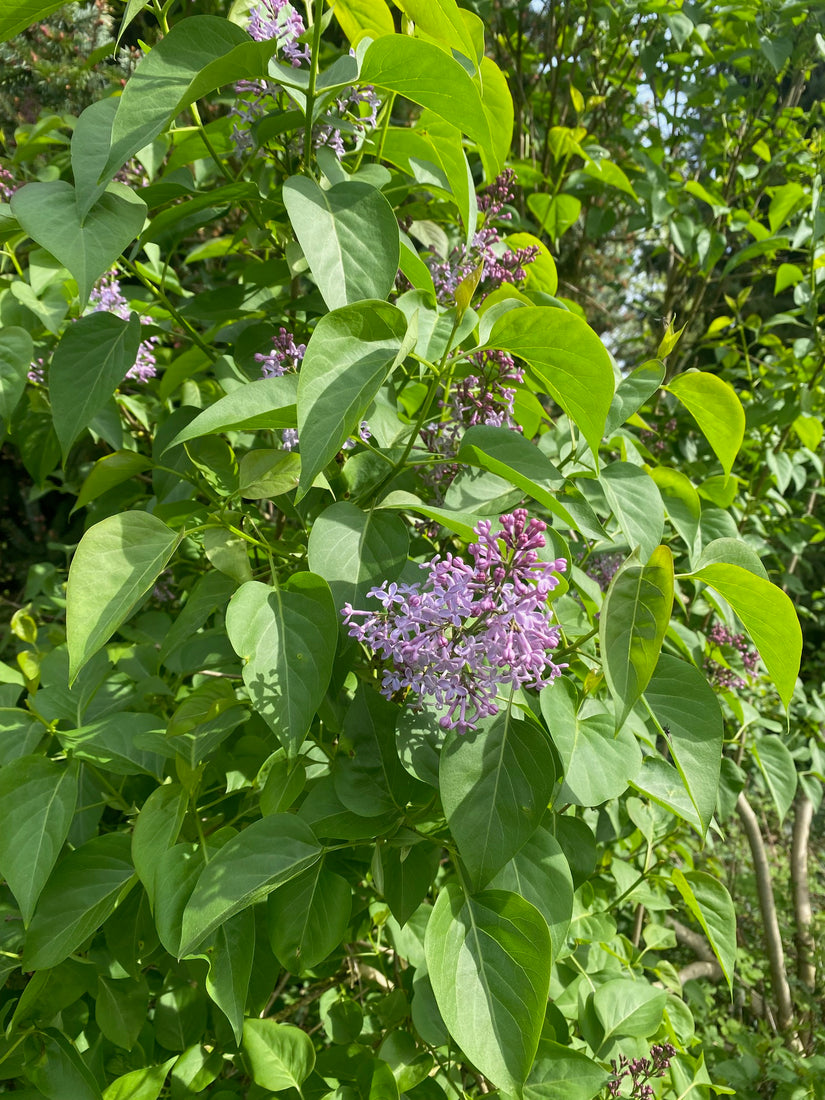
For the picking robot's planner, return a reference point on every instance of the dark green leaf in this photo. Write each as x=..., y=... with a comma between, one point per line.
x=264, y=855
x=495, y=785
x=268, y=403
x=517, y=460
x=88, y=248
x=82, y=891
x=567, y=360
x=710, y=902
x=634, y=618
x=115, y=565
x=354, y=550
x=338, y=229
x=598, y=763
x=348, y=357
x=489, y=958
x=637, y=505
x=37, y=802
x=307, y=918
x=286, y=638
x=16, y=355
x=686, y=706
x=280, y=1056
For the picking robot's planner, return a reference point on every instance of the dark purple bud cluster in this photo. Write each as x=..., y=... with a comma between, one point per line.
x=640, y=1071
x=720, y=675
x=469, y=630
x=602, y=568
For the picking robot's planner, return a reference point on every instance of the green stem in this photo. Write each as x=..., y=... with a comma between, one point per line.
x=313, y=79
x=193, y=334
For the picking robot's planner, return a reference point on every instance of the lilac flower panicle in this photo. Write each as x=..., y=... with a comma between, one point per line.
x=278, y=19
x=289, y=439
x=722, y=677
x=640, y=1071
x=602, y=568
x=364, y=434
x=501, y=264
x=285, y=355
x=7, y=184
x=483, y=398
x=108, y=297
x=468, y=629
x=37, y=371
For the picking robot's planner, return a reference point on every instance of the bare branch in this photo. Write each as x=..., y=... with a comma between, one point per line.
x=767, y=907
x=805, y=967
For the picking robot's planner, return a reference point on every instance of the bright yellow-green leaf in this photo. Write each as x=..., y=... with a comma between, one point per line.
x=716, y=409
x=363, y=18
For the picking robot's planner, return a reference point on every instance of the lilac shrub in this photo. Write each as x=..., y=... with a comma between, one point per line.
x=469, y=630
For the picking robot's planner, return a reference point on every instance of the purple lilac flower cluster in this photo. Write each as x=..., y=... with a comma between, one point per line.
x=37, y=371
x=501, y=265
x=483, y=398
x=720, y=675
x=640, y=1071
x=278, y=19
x=107, y=296
x=602, y=568
x=468, y=630
x=653, y=441
x=347, y=106
x=285, y=356
x=7, y=184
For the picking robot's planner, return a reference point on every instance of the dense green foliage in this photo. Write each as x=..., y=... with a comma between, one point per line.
x=284, y=321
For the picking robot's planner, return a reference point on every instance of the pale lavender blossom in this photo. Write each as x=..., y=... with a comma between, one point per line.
x=468, y=630
x=108, y=297
x=289, y=439
x=500, y=264
x=364, y=434
x=285, y=356
x=278, y=19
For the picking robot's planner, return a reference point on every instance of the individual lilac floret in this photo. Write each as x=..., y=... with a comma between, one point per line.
x=278, y=19
x=364, y=434
x=468, y=630
x=108, y=297
x=285, y=356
